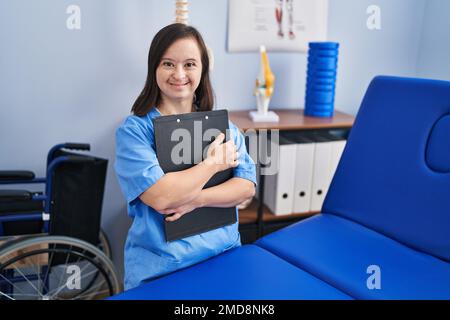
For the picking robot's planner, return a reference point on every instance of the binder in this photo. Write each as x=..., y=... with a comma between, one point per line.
x=338, y=146
x=327, y=152
x=279, y=187
x=304, y=166
x=321, y=177
x=202, y=127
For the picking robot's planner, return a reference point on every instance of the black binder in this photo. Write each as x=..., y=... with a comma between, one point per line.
x=203, y=127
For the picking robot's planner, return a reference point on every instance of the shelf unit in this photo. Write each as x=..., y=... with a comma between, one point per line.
x=249, y=214
x=257, y=214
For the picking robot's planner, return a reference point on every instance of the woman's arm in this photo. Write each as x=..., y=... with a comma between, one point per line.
x=227, y=194
x=175, y=189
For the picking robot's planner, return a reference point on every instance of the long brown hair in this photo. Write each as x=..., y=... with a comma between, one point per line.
x=150, y=95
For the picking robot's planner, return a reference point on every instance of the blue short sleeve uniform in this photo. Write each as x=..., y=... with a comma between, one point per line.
x=147, y=254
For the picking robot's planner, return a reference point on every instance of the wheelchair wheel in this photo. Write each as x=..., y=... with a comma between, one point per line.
x=55, y=268
x=104, y=244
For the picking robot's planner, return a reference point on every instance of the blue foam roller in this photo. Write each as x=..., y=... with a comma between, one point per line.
x=324, y=45
x=323, y=53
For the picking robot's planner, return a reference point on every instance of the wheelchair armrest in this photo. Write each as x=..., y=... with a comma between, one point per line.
x=16, y=175
x=77, y=146
x=80, y=159
x=15, y=195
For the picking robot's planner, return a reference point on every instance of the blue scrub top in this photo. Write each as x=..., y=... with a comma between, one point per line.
x=147, y=254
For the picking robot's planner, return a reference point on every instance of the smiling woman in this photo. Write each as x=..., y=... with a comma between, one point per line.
x=178, y=76
x=178, y=68
x=177, y=82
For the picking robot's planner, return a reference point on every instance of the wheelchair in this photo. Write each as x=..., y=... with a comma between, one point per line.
x=51, y=243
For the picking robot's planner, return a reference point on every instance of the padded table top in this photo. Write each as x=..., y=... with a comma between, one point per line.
x=339, y=252
x=247, y=272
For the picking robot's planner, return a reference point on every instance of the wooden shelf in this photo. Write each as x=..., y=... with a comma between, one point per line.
x=292, y=119
x=250, y=214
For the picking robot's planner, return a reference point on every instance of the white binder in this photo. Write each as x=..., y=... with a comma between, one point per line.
x=279, y=188
x=327, y=154
x=303, y=175
x=321, y=171
x=306, y=165
x=337, y=148
x=336, y=153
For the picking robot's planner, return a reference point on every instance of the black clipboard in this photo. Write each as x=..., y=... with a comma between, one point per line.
x=202, y=127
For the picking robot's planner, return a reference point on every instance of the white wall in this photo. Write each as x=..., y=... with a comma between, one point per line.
x=434, y=55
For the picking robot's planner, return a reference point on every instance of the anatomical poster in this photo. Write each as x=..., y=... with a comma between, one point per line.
x=280, y=25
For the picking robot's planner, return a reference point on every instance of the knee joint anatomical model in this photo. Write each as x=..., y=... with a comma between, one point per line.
x=264, y=83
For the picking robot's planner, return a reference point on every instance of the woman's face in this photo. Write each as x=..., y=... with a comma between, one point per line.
x=179, y=72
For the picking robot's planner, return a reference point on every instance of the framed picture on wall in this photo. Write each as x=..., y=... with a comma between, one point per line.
x=280, y=25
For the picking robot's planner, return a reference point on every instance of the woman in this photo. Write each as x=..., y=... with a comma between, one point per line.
x=177, y=82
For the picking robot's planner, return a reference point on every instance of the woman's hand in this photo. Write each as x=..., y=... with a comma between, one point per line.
x=222, y=155
x=177, y=213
